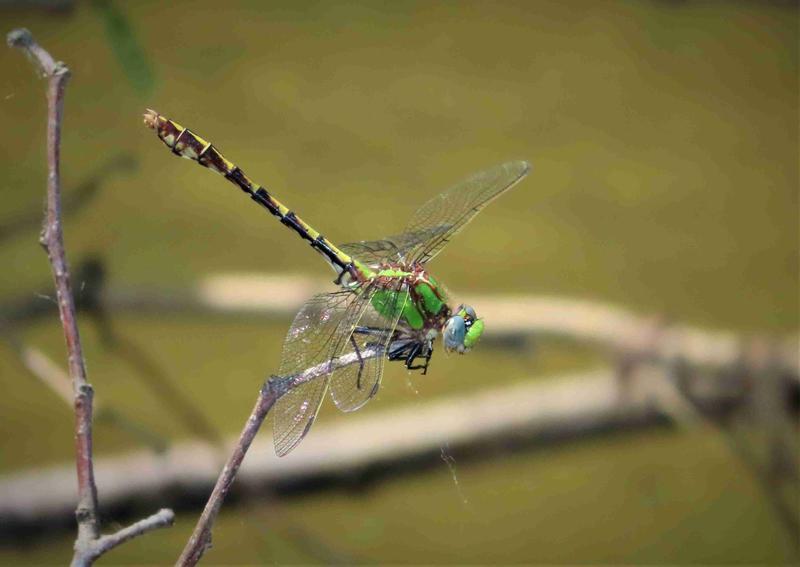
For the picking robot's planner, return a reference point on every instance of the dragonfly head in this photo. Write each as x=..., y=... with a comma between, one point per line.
x=462, y=330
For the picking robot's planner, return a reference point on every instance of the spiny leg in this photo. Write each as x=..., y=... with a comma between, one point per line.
x=406, y=350
x=415, y=354
x=412, y=354
x=398, y=350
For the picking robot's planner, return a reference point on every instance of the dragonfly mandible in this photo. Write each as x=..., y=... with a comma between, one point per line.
x=388, y=300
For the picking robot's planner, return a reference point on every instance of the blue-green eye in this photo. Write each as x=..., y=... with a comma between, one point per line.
x=474, y=333
x=454, y=333
x=462, y=330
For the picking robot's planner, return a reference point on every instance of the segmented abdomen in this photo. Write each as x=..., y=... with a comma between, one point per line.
x=187, y=144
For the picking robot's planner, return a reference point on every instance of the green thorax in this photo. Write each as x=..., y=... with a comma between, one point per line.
x=422, y=299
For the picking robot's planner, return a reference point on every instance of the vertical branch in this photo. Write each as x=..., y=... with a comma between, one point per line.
x=88, y=545
x=52, y=240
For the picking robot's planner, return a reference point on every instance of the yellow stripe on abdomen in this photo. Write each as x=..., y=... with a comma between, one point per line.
x=187, y=144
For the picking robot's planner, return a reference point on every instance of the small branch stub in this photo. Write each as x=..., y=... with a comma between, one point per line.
x=161, y=519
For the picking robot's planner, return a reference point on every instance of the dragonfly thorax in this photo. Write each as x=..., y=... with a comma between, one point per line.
x=408, y=293
x=412, y=292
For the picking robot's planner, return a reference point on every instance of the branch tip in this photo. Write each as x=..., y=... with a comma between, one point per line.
x=20, y=37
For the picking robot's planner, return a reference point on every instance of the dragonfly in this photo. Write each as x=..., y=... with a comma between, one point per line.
x=387, y=299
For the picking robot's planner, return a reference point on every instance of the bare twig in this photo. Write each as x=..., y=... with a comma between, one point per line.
x=88, y=545
x=161, y=519
x=270, y=392
x=52, y=240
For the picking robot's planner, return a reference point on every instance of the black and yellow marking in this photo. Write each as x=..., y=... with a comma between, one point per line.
x=185, y=143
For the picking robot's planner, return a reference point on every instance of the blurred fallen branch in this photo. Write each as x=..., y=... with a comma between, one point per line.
x=773, y=479
x=509, y=318
x=364, y=446
x=43, y=368
x=710, y=372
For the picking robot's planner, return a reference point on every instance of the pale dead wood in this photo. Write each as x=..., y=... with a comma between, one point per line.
x=507, y=317
x=533, y=412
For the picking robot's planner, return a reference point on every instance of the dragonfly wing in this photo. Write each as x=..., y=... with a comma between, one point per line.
x=294, y=414
x=447, y=213
x=391, y=248
x=371, y=252
x=353, y=386
x=316, y=334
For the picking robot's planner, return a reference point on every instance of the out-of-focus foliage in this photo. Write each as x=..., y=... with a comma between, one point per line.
x=122, y=39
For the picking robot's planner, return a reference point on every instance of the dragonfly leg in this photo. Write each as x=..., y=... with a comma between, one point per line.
x=360, y=361
x=415, y=353
x=362, y=330
x=399, y=349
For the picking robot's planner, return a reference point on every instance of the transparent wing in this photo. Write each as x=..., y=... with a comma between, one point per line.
x=316, y=334
x=439, y=219
x=391, y=248
x=371, y=252
x=450, y=211
x=353, y=386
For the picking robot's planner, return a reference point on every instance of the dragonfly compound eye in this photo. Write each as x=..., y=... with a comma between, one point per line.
x=473, y=333
x=454, y=333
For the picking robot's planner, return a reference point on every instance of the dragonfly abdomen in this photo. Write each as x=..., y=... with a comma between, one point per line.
x=185, y=143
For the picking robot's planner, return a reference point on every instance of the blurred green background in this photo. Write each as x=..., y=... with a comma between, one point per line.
x=664, y=140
